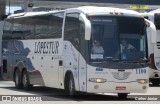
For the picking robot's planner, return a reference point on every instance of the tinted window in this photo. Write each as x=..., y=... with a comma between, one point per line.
x=36, y=27
x=49, y=26
x=117, y=38
x=21, y=28
x=72, y=29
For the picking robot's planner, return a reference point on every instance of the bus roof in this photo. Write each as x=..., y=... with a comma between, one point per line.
x=84, y=9
x=94, y=9
x=26, y=14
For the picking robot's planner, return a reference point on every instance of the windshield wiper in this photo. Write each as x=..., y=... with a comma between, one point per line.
x=111, y=59
x=143, y=60
x=135, y=61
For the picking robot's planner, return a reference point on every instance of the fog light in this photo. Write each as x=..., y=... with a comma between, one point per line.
x=96, y=87
x=144, y=87
x=142, y=81
x=97, y=80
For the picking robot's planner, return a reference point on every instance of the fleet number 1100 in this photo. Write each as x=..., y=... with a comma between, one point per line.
x=140, y=71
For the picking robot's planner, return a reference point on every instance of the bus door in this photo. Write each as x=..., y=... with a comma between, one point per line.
x=82, y=62
x=74, y=49
x=82, y=69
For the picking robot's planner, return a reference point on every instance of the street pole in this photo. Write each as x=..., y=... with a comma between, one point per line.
x=9, y=7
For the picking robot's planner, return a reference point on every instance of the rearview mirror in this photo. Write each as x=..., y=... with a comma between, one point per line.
x=87, y=27
x=152, y=31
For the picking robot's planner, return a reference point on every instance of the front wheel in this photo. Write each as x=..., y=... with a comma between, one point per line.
x=122, y=95
x=71, y=86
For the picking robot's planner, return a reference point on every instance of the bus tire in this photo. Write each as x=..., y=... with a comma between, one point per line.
x=122, y=95
x=25, y=81
x=17, y=80
x=71, y=86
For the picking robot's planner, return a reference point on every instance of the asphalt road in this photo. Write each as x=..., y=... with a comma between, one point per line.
x=52, y=95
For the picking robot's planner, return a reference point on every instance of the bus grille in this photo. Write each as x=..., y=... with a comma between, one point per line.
x=121, y=75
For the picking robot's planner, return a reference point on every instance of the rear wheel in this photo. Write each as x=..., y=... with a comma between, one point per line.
x=17, y=80
x=122, y=95
x=26, y=81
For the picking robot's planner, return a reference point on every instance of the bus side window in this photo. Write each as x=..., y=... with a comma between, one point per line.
x=48, y=26
x=82, y=37
x=82, y=26
x=21, y=28
x=72, y=29
x=55, y=25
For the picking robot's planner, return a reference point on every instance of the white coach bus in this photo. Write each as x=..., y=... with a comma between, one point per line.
x=154, y=73
x=79, y=49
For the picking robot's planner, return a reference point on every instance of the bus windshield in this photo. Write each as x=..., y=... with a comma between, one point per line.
x=117, y=38
x=157, y=21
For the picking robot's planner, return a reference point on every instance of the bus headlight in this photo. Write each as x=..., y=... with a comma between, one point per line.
x=97, y=80
x=142, y=81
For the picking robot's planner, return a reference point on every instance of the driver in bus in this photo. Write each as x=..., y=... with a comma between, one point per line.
x=126, y=47
x=97, y=49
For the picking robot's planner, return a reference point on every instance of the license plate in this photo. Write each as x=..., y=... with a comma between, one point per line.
x=120, y=88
